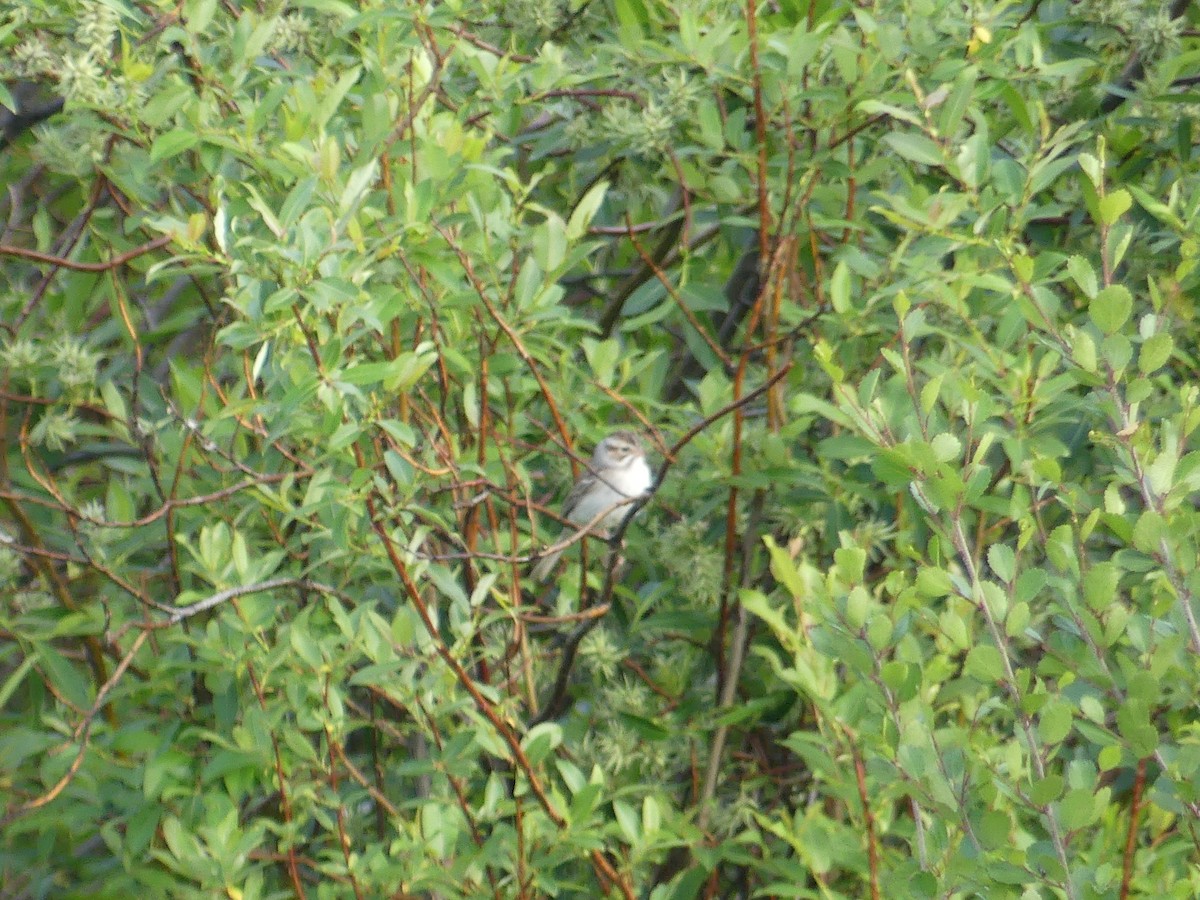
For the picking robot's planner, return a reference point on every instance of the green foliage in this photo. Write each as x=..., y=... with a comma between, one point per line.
x=302, y=302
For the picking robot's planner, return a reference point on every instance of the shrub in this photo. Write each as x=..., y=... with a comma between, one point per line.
x=313, y=311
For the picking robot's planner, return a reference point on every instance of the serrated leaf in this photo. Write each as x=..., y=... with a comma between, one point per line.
x=1091, y=168
x=1002, y=561
x=946, y=447
x=1017, y=620
x=1077, y=808
x=1113, y=206
x=985, y=663
x=1054, y=721
x=1083, y=351
x=850, y=562
x=1110, y=308
x=1100, y=585
x=1149, y=531
x=1155, y=352
x=1047, y=790
x=1133, y=722
x=1083, y=275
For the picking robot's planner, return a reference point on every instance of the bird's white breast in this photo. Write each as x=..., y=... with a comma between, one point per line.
x=612, y=486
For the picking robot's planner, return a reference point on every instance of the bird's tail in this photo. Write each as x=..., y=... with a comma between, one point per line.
x=544, y=565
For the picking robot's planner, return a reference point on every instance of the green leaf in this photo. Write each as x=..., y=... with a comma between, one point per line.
x=603, y=358
x=1117, y=351
x=358, y=183
x=783, y=567
x=629, y=822
x=398, y=467
x=172, y=143
x=1002, y=561
x=14, y=679
x=1084, y=275
x=1100, y=585
x=1047, y=790
x=114, y=403
x=1110, y=308
x=708, y=118
x=1133, y=722
x=199, y=14
x=839, y=287
x=690, y=884
x=541, y=740
x=651, y=815
x=1120, y=236
x=875, y=107
x=1149, y=532
x=915, y=147
x=119, y=503
x=1155, y=352
x=1078, y=808
x=1017, y=619
x=993, y=829
x=1029, y=584
x=1091, y=707
x=550, y=243
x=1159, y=210
x=332, y=97
x=1083, y=351
x=946, y=447
x=1092, y=168
x=985, y=663
x=586, y=210
x=1054, y=721
x=645, y=728
x=64, y=677
x=934, y=582
x=307, y=649
x=1113, y=206
x=850, y=562
x=802, y=47
x=756, y=603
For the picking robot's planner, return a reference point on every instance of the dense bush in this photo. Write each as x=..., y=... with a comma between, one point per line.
x=312, y=310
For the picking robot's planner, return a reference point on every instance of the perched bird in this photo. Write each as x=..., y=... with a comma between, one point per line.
x=617, y=472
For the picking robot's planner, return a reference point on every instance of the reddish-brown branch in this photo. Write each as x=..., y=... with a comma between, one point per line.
x=509, y=331
x=589, y=92
x=285, y=800
x=66, y=243
x=415, y=105
x=334, y=748
x=483, y=45
x=1135, y=810
x=760, y=134
x=81, y=734
x=860, y=777
x=60, y=262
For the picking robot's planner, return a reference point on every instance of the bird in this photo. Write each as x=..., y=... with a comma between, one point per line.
x=617, y=472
